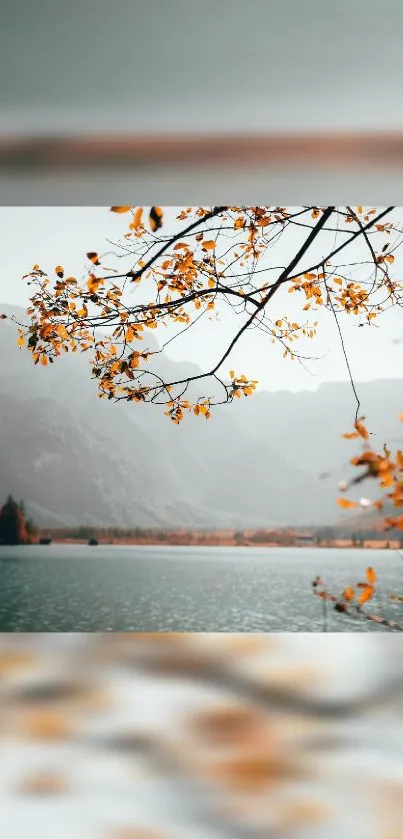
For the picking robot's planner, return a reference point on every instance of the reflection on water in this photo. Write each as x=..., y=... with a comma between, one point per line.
x=140, y=736
x=67, y=588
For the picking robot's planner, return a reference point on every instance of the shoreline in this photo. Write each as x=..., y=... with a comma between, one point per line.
x=367, y=544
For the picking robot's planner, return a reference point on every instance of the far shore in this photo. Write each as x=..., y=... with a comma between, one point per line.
x=221, y=541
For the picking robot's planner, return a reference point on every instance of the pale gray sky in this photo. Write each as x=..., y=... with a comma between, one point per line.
x=49, y=236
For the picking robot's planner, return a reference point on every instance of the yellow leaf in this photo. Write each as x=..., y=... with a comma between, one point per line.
x=346, y=504
x=232, y=374
x=209, y=245
x=371, y=575
x=129, y=334
x=62, y=331
x=120, y=209
x=390, y=258
x=211, y=283
x=137, y=218
x=21, y=341
x=93, y=283
x=44, y=360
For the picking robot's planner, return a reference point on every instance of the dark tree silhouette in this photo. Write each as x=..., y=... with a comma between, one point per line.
x=13, y=528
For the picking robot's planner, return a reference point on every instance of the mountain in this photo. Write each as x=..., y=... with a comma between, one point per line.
x=76, y=459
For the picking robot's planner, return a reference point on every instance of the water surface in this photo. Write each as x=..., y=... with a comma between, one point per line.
x=67, y=588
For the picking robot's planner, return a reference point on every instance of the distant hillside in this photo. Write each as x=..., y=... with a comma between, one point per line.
x=76, y=459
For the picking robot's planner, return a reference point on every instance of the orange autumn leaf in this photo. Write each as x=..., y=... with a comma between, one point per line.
x=371, y=575
x=93, y=257
x=93, y=283
x=120, y=209
x=209, y=245
x=366, y=595
x=137, y=219
x=180, y=245
x=362, y=430
x=62, y=331
x=346, y=504
x=59, y=271
x=349, y=594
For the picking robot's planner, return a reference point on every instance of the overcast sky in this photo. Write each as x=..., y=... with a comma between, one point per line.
x=49, y=236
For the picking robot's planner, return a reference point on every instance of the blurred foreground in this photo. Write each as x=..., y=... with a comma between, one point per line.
x=141, y=736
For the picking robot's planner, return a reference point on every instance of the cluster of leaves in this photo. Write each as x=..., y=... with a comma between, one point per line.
x=387, y=469
x=351, y=603
x=216, y=254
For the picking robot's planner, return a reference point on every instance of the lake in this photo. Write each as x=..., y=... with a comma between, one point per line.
x=67, y=588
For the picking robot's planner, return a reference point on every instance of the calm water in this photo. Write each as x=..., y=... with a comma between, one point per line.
x=63, y=588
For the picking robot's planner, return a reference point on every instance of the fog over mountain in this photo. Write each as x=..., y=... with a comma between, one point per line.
x=76, y=459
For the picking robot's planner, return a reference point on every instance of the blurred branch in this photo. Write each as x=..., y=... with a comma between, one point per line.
x=216, y=673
